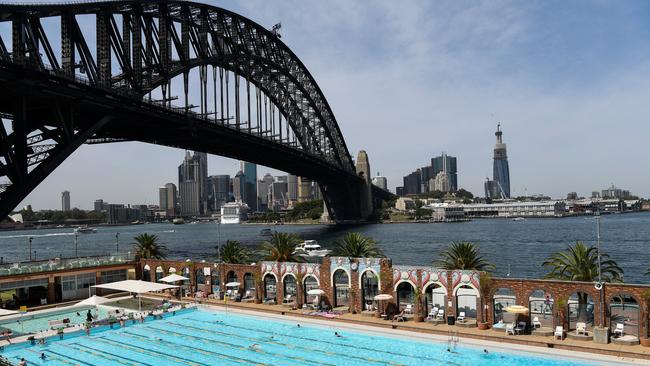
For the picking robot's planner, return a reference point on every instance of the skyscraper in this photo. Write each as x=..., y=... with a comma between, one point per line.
x=499, y=186
x=162, y=197
x=218, y=191
x=172, y=199
x=250, y=185
x=292, y=188
x=447, y=164
x=263, y=189
x=65, y=201
x=191, y=180
x=239, y=186
x=380, y=181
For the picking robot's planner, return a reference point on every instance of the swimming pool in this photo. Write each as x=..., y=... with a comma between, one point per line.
x=206, y=338
x=36, y=322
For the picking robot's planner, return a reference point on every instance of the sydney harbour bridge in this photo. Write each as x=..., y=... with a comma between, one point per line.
x=173, y=73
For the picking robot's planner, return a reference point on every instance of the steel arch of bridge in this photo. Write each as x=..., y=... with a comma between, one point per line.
x=58, y=103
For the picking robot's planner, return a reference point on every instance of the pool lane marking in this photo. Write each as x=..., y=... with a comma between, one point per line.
x=425, y=358
x=209, y=341
x=106, y=355
x=145, y=352
x=287, y=345
x=65, y=358
x=55, y=358
x=220, y=355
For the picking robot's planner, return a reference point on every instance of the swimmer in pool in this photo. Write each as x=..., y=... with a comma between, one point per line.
x=254, y=346
x=336, y=334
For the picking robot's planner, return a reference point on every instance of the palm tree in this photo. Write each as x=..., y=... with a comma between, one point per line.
x=233, y=252
x=463, y=255
x=356, y=245
x=580, y=263
x=147, y=247
x=281, y=247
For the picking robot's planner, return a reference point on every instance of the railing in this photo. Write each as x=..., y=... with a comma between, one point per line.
x=58, y=264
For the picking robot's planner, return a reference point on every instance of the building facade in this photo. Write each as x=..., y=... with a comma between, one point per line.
x=65, y=201
x=447, y=164
x=250, y=185
x=192, y=184
x=499, y=187
x=380, y=181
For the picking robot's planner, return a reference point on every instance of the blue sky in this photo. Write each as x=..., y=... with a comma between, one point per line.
x=568, y=80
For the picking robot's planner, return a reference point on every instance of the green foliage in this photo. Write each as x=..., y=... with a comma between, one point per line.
x=59, y=217
x=147, y=247
x=281, y=247
x=580, y=263
x=233, y=252
x=303, y=210
x=466, y=195
x=355, y=245
x=463, y=255
x=423, y=213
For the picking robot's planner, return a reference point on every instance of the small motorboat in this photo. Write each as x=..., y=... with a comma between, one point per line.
x=310, y=248
x=85, y=230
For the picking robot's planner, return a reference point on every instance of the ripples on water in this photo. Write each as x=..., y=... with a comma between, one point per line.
x=521, y=244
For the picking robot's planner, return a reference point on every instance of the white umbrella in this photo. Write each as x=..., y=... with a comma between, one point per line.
x=4, y=312
x=232, y=284
x=316, y=291
x=137, y=286
x=94, y=301
x=173, y=278
x=382, y=297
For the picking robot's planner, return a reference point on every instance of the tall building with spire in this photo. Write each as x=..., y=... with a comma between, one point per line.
x=499, y=186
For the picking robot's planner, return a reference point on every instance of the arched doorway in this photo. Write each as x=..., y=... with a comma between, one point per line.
x=290, y=288
x=540, y=304
x=146, y=273
x=405, y=295
x=231, y=276
x=580, y=308
x=310, y=283
x=160, y=273
x=624, y=310
x=249, y=286
x=369, y=288
x=270, y=288
x=341, y=288
x=436, y=296
x=504, y=297
x=186, y=285
x=216, y=282
x=466, y=297
x=200, y=280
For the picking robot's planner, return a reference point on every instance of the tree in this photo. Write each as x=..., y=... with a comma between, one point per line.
x=281, y=247
x=462, y=193
x=580, y=263
x=355, y=245
x=233, y=252
x=147, y=247
x=463, y=255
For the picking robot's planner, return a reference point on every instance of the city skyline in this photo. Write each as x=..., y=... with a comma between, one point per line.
x=553, y=109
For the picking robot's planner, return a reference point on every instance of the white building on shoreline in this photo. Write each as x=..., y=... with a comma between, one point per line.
x=516, y=209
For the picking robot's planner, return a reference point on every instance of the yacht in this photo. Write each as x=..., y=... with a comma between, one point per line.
x=518, y=219
x=234, y=212
x=85, y=230
x=310, y=248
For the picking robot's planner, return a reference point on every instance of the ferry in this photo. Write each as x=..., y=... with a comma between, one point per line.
x=234, y=212
x=310, y=248
x=85, y=230
x=518, y=219
x=178, y=221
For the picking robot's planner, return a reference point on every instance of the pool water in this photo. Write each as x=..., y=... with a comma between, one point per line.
x=33, y=323
x=209, y=338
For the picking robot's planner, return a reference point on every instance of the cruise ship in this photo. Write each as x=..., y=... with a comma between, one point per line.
x=234, y=212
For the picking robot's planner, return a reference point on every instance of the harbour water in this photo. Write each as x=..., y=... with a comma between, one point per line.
x=515, y=246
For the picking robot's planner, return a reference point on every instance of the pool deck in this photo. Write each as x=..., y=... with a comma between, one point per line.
x=631, y=354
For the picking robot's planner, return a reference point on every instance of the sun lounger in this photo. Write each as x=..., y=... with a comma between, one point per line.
x=559, y=332
x=620, y=329
x=536, y=323
x=581, y=328
x=461, y=317
x=510, y=328
x=521, y=327
x=432, y=313
x=408, y=309
x=441, y=314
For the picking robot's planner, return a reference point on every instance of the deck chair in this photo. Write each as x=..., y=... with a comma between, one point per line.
x=408, y=309
x=559, y=332
x=620, y=329
x=432, y=314
x=581, y=328
x=536, y=323
x=441, y=314
x=461, y=317
x=521, y=327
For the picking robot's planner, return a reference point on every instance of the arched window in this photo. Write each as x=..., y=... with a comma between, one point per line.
x=231, y=277
x=369, y=287
x=216, y=282
x=581, y=310
x=200, y=280
x=341, y=288
x=160, y=273
x=405, y=295
x=146, y=273
x=436, y=296
x=270, y=288
x=249, y=285
x=310, y=283
x=466, y=301
x=289, y=288
x=540, y=304
x=504, y=297
x=624, y=315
